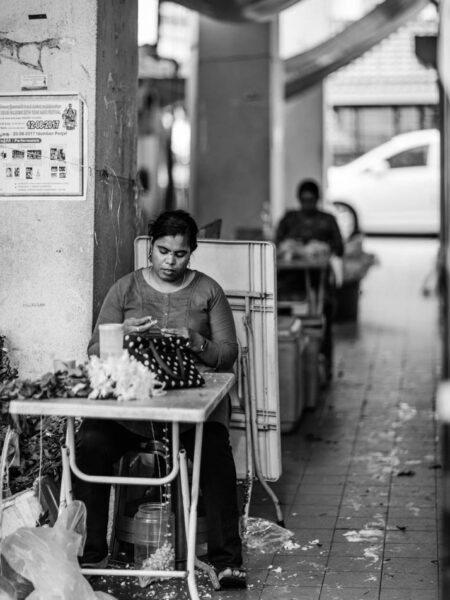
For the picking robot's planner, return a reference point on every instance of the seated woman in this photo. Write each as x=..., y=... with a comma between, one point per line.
x=178, y=298
x=311, y=226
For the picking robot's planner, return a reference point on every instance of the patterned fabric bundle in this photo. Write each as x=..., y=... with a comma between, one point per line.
x=168, y=357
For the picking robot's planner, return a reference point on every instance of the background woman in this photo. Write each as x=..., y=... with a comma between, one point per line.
x=187, y=300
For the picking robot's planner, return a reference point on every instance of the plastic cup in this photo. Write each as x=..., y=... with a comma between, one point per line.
x=111, y=339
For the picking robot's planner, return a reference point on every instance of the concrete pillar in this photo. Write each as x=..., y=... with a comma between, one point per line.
x=59, y=255
x=237, y=122
x=304, y=141
x=305, y=147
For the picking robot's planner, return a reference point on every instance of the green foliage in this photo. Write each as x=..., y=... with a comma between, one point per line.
x=40, y=438
x=6, y=371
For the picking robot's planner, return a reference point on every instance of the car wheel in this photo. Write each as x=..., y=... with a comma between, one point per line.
x=347, y=219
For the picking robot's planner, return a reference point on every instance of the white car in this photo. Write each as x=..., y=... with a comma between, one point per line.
x=393, y=188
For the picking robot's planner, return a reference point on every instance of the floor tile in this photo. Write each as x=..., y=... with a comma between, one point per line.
x=421, y=580
x=408, y=594
x=352, y=579
x=411, y=537
x=417, y=566
x=362, y=549
x=412, y=523
x=343, y=593
x=425, y=550
x=376, y=521
x=309, y=521
x=281, y=576
x=291, y=592
x=367, y=561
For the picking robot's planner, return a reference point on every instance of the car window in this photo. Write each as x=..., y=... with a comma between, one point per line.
x=413, y=157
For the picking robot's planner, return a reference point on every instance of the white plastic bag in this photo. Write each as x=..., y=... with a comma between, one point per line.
x=47, y=556
x=7, y=591
x=265, y=536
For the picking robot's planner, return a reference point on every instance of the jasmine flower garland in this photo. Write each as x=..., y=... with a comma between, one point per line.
x=122, y=377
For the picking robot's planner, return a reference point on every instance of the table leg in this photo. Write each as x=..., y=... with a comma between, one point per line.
x=190, y=501
x=190, y=508
x=66, y=494
x=309, y=292
x=321, y=291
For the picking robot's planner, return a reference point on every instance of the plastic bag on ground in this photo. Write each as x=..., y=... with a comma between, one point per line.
x=7, y=591
x=265, y=536
x=47, y=556
x=22, y=586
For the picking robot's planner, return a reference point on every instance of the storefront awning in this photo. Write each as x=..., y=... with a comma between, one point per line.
x=306, y=69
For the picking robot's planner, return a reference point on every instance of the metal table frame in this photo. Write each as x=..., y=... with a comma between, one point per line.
x=177, y=406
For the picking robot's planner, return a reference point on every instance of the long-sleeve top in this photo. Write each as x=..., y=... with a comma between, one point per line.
x=201, y=305
x=305, y=227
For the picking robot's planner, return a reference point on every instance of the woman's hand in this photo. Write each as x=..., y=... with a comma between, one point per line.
x=138, y=325
x=180, y=331
x=196, y=340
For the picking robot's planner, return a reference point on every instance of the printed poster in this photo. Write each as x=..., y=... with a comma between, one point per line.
x=41, y=146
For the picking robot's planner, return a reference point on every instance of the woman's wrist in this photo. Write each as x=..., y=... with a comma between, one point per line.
x=200, y=346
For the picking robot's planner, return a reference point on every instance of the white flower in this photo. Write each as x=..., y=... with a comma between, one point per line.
x=122, y=377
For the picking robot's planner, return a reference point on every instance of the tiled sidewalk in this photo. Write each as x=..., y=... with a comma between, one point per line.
x=361, y=474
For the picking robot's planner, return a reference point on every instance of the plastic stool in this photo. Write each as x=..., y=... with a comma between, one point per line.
x=129, y=497
x=148, y=463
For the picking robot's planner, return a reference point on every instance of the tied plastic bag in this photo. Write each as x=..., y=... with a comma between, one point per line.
x=265, y=536
x=22, y=586
x=47, y=556
x=7, y=591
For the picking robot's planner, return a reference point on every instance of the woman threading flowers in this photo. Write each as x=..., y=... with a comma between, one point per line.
x=187, y=301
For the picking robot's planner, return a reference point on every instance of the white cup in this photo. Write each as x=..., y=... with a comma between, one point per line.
x=111, y=339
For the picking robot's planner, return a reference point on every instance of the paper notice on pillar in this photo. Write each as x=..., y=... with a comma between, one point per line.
x=444, y=45
x=41, y=146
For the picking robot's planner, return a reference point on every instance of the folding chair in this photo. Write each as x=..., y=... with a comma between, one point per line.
x=246, y=272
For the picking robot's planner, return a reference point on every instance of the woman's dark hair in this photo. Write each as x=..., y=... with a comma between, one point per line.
x=175, y=222
x=308, y=185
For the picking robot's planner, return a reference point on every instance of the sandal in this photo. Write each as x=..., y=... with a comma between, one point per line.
x=232, y=578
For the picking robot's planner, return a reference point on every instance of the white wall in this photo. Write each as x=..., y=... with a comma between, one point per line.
x=48, y=245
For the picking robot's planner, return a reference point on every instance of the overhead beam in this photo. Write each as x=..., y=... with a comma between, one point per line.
x=264, y=10
x=238, y=10
x=311, y=67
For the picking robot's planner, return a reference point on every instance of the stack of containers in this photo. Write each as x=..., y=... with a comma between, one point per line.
x=292, y=348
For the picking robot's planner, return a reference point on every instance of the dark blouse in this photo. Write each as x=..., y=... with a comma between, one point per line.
x=320, y=225
x=201, y=305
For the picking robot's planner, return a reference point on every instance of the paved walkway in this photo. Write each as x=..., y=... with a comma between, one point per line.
x=361, y=474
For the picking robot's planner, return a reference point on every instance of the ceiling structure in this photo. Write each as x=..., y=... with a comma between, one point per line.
x=238, y=10
x=308, y=68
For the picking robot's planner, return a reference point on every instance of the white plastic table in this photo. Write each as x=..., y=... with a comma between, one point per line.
x=177, y=406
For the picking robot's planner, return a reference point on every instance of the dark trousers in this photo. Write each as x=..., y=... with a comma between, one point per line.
x=101, y=443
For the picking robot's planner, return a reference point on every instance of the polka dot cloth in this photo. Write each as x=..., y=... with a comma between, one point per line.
x=168, y=357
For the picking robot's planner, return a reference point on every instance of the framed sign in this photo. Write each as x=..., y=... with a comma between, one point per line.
x=41, y=146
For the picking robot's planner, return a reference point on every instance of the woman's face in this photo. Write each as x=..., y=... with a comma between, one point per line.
x=170, y=257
